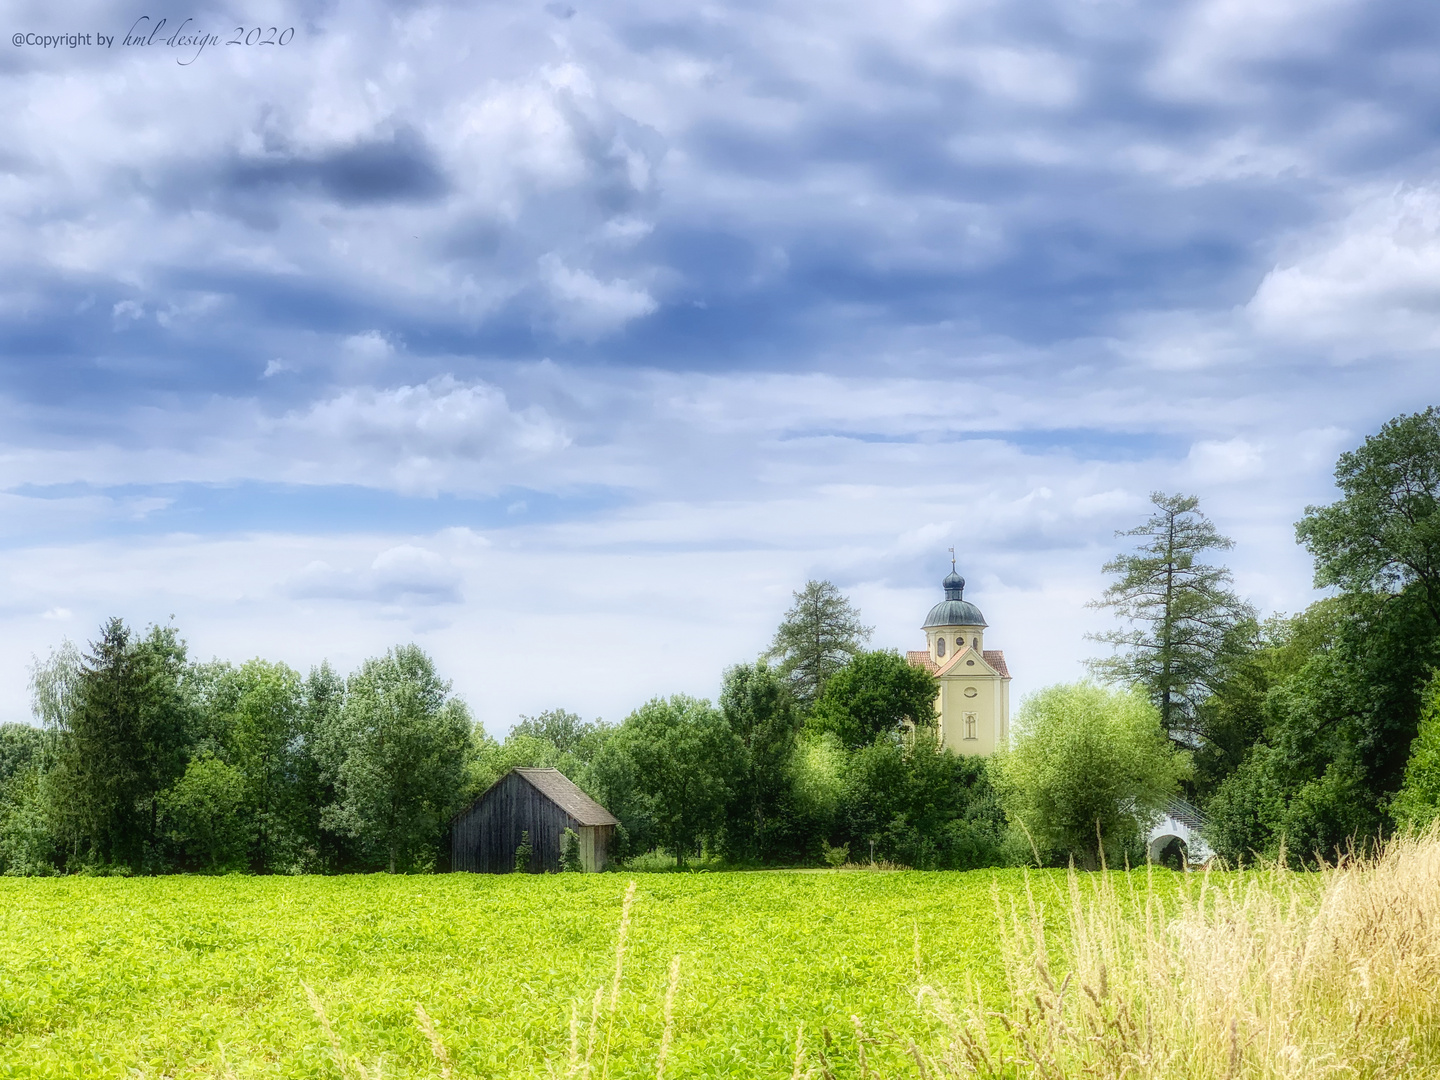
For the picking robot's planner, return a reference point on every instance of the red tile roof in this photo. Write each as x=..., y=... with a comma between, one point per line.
x=996, y=659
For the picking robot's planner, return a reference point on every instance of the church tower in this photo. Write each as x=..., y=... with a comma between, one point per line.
x=974, y=699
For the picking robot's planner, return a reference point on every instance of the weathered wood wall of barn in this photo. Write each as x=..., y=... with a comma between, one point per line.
x=483, y=838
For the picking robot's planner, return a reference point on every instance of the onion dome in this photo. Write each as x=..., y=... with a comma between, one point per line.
x=954, y=610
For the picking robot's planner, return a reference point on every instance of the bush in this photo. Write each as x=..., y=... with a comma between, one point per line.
x=1417, y=803
x=27, y=845
x=570, y=852
x=201, y=817
x=1091, y=769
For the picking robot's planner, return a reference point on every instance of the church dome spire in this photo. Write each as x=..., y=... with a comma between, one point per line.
x=954, y=586
x=954, y=610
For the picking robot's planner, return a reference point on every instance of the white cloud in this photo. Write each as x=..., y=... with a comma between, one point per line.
x=1235, y=459
x=586, y=307
x=127, y=311
x=404, y=575
x=443, y=435
x=1366, y=285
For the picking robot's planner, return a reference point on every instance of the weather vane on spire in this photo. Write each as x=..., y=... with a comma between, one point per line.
x=952, y=560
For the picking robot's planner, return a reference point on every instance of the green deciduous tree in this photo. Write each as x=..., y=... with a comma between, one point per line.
x=396, y=752
x=21, y=747
x=27, y=837
x=1180, y=614
x=680, y=764
x=762, y=716
x=915, y=804
x=1380, y=544
x=1089, y=770
x=203, y=816
x=264, y=728
x=1383, y=534
x=1332, y=689
x=1417, y=803
x=875, y=694
x=819, y=635
x=563, y=730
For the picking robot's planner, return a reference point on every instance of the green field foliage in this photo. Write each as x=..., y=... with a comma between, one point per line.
x=202, y=976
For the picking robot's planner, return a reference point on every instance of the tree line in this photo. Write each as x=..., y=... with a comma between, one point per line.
x=1313, y=733
x=146, y=761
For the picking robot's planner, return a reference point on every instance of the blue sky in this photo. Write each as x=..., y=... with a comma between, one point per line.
x=568, y=339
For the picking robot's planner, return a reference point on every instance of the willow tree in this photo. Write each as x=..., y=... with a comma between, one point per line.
x=1180, y=617
x=819, y=635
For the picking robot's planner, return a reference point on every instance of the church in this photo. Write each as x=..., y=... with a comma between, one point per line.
x=974, y=700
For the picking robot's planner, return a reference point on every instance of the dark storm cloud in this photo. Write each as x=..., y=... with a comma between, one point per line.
x=397, y=166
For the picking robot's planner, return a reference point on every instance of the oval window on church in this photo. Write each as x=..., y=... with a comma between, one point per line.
x=970, y=691
x=940, y=646
x=959, y=643
x=970, y=663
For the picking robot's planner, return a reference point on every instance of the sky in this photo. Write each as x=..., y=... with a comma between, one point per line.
x=567, y=340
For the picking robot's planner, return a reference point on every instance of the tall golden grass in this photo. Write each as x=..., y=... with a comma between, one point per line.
x=1265, y=975
x=1269, y=974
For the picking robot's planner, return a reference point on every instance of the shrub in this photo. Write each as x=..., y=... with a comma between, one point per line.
x=570, y=852
x=1091, y=768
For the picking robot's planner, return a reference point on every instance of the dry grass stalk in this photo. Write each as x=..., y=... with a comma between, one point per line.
x=592, y=1034
x=669, y=1030
x=574, y=1039
x=437, y=1045
x=915, y=926
x=619, y=970
x=860, y=1048
x=1262, y=976
x=796, y=1073
x=336, y=1052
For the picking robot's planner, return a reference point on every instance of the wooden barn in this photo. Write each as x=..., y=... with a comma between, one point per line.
x=542, y=802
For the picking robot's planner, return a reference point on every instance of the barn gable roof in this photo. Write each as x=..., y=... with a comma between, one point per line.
x=559, y=789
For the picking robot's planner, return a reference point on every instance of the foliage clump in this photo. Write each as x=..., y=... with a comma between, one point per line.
x=1090, y=770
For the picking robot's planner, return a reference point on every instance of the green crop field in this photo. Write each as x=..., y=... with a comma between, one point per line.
x=193, y=976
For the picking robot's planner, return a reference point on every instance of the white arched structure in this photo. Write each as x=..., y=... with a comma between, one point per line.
x=1181, y=822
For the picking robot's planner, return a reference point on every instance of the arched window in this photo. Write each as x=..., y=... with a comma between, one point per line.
x=959, y=643
x=975, y=643
x=970, y=725
x=940, y=646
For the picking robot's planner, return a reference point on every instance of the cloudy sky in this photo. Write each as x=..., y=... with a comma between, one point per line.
x=567, y=339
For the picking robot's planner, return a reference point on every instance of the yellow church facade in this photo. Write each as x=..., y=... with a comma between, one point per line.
x=974, y=699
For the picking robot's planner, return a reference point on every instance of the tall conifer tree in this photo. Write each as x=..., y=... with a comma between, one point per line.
x=819, y=635
x=1180, y=613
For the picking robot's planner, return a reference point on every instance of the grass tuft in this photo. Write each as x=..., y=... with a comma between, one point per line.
x=1271, y=974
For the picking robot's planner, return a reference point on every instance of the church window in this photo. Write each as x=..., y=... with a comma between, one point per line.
x=959, y=643
x=970, y=725
x=970, y=663
x=970, y=691
x=975, y=643
x=940, y=646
